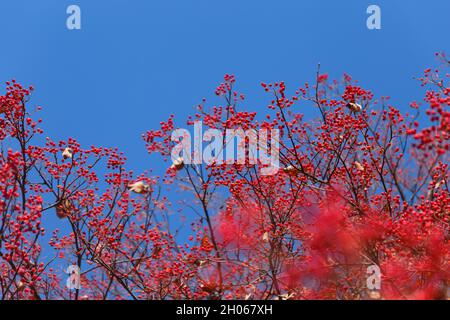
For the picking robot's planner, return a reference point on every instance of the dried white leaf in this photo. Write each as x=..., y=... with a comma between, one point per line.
x=67, y=153
x=178, y=164
x=139, y=187
x=354, y=107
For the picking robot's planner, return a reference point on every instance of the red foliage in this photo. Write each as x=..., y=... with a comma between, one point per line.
x=363, y=184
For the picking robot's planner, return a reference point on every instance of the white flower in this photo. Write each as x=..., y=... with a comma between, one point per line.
x=265, y=237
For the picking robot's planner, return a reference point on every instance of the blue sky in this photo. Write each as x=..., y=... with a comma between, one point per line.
x=137, y=61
